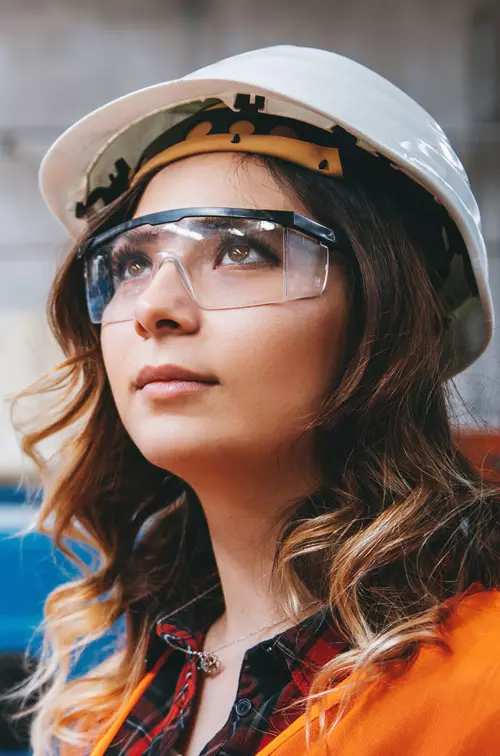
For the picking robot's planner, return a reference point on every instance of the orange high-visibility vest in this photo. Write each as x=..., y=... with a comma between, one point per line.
x=447, y=703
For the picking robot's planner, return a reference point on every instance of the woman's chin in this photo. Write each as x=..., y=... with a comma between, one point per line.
x=177, y=449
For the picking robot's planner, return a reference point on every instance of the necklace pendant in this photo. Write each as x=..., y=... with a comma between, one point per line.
x=209, y=663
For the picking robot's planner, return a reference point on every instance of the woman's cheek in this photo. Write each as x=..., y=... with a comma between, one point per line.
x=275, y=375
x=115, y=348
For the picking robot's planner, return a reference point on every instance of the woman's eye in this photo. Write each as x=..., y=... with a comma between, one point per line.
x=134, y=269
x=238, y=253
x=245, y=254
x=127, y=266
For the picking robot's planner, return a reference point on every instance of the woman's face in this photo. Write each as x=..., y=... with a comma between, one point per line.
x=274, y=364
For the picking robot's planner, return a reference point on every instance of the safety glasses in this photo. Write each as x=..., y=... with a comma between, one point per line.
x=225, y=257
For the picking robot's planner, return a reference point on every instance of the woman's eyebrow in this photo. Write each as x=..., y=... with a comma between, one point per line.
x=211, y=221
x=252, y=225
x=150, y=232
x=140, y=233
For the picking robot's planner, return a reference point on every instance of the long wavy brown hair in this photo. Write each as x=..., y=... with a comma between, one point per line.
x=402, y=523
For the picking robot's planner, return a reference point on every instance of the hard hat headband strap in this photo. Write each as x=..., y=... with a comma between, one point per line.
x=246, y=128
x=313, y=156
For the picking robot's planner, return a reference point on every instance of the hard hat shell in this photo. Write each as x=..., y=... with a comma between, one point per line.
x=311, y=85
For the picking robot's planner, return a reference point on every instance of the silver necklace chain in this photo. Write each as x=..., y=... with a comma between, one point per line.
x=188, y=603
x=208, y=661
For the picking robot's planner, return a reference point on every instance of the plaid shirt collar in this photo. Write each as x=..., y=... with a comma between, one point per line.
x=303, y=648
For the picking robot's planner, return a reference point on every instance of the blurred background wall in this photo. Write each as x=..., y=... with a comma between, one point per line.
x=61, y=58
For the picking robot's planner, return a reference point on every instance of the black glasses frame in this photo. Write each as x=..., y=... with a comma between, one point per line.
x=334, y=237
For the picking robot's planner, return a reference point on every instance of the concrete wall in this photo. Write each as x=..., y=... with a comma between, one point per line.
x=58, y=60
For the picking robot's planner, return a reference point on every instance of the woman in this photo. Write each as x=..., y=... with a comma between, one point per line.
x=277, y=268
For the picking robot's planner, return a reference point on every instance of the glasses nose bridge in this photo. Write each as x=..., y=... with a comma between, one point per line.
x=162, y=258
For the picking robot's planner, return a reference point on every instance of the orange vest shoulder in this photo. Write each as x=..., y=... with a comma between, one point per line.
x=447, y=703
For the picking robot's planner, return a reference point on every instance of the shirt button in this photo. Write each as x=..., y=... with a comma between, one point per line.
x=243, y=707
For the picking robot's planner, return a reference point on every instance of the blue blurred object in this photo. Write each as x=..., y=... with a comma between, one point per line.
x=34, y=568
x=31, y=568
x=12, y=495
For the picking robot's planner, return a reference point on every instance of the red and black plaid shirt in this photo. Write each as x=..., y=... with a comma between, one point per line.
x=275, y=673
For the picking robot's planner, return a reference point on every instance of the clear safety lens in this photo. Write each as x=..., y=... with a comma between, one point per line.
x=223, y=262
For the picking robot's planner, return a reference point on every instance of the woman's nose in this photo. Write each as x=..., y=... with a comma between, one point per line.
x=167, y=302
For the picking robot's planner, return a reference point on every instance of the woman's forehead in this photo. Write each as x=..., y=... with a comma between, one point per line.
x=216, y=180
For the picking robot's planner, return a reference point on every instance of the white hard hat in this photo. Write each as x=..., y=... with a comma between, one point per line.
x=314, y=86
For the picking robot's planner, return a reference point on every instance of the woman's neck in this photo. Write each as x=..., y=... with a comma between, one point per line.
x=244, y=557
x=244, y=526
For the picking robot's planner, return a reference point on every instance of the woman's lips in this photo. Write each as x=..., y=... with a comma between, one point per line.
x=170, y=389
x=170, y=374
